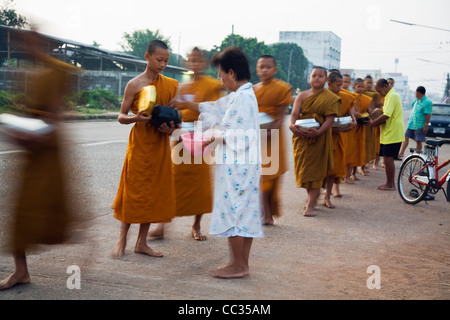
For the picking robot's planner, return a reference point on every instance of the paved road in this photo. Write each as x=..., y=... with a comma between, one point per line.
x=324, y=257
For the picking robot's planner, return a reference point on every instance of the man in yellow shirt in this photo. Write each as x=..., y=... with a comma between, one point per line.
x=391, y=134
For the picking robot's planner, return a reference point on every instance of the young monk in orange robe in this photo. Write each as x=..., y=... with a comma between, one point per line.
x=372, y=134
x=371, y=152
x=339, y=136
x=313, y=147
x=273, y=97
x=361, y=107
x=146, y=192
x=193, y=184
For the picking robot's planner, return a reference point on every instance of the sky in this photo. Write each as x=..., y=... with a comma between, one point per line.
x=369, y=37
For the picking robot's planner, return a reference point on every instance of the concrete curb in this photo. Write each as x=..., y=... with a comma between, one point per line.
x=88, y=117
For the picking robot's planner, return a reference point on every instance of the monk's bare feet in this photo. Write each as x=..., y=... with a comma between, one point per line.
x=157, y=234
x=197, y=235
x=354, y=178
x=145, y=249
x=364, y=171
x=327, y=203
x=348, y=180
x=230, y=272
x=308, y=212
x=386, y=187
x=13, y=280
x=118, y=251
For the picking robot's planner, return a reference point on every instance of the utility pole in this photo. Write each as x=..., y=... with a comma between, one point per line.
x=447, y=90
x=232, y=35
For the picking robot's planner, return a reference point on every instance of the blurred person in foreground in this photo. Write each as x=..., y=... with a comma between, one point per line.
x=193, y=183
x=273, y=97
x=41, y=214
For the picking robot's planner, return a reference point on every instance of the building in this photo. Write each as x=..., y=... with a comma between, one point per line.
x=362, y=73
x=101, y=69
x=401, y=84
x=321, y=48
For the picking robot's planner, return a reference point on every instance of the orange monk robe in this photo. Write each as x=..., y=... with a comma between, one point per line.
x=363, y=102
x=272, y=96
x=42, y=210
x=353, y=141
x=193, y=181
x=313, y=156
x=371, y=134
x=146, y=192
x=340, y=140
x=377, y=103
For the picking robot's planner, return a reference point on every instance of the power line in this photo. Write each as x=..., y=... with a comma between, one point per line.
x=419, y=25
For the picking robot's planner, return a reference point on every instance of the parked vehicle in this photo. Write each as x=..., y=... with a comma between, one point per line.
x=439, y=125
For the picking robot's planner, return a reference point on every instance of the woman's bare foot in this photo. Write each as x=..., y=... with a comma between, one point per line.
x=145, y=249
x=230, y=272
x=197, y=235
x=13, y=280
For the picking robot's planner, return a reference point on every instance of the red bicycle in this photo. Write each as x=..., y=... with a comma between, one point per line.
x=419, y=174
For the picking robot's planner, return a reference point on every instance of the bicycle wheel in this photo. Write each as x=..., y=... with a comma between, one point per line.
x=410, y=191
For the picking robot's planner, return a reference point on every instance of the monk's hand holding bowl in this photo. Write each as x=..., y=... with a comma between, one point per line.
x=295, y=129
x=169, y=128
x=142, y=117
x=310, y=133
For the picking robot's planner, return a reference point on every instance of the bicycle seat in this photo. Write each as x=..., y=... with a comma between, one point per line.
x=435, y=143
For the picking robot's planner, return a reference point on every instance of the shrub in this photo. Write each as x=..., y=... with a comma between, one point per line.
x=96, y=99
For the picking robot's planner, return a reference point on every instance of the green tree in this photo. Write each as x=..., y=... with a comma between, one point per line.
x=291, y=68
x=249, y=46
x=9, y=17
x=292, y=64
x=136, y=44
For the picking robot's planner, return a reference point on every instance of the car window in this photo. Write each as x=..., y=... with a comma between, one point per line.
x=442, y=110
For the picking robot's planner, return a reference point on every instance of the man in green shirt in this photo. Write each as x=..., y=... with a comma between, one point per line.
x=392, y=130
x=418, y=121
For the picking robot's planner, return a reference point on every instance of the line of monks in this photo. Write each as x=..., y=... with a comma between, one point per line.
x=152, y=189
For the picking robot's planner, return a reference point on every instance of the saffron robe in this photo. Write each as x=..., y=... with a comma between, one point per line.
x=193, y=181
x=340, y=140
x=272, y=96
x=371, y=132
x=146, y=192
x=313, y=156
x=363, y=101
x=42, y=212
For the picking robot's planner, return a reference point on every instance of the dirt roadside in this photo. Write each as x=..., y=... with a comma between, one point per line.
x=301, y=258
